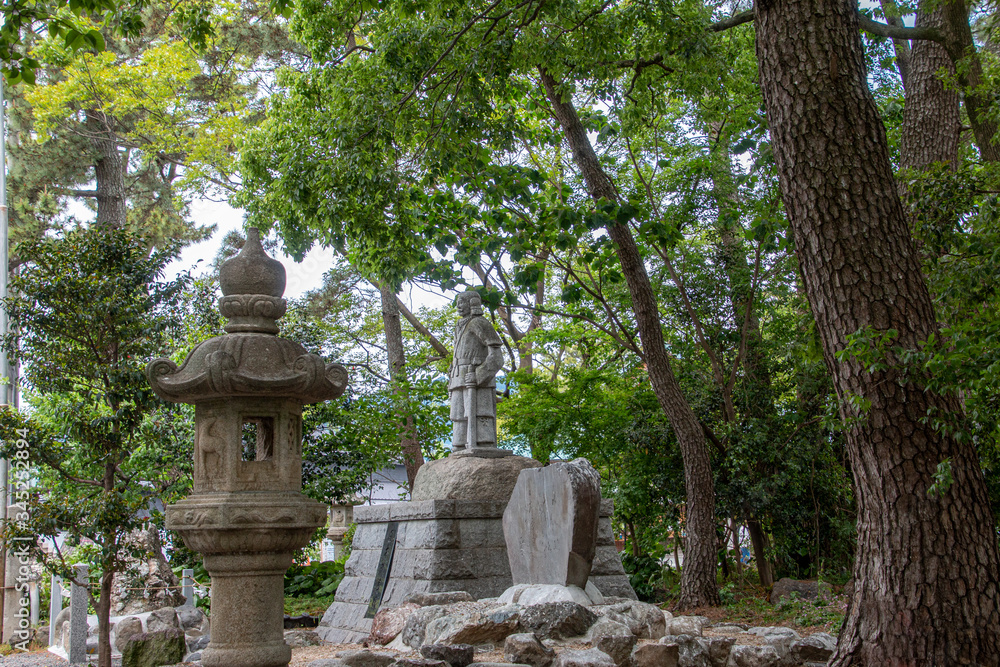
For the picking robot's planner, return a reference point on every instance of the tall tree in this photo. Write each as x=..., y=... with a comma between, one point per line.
x=927, y=568
x=698, y=585
x=83, y=361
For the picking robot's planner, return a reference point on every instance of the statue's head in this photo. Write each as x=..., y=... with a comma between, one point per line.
x=469, y=303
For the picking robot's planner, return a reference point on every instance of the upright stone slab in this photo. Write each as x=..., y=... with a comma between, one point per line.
x=78, y=601
x=441, y=545
x=550, y=524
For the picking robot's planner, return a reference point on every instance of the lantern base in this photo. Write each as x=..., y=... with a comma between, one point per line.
x=247, y=540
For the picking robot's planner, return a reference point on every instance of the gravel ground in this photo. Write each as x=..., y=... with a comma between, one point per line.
x=33, y=659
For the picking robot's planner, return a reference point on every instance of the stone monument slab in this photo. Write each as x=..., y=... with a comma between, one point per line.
x=550, y=524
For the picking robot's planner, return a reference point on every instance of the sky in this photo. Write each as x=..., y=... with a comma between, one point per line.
x=301, y=278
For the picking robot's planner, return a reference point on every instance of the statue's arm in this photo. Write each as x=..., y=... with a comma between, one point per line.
x=494, y=353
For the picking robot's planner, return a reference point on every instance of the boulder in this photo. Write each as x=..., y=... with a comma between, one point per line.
x=302, y=638
x=557, y=620
x=719, y=649
x=153, y=649
x=614, y=639
x=415, y=626
x=199, y=643
x=588, y=658
x=444, y=597
x=389, y=622
x=472, y=625
x=365, y=658
x=691, y=651
x=529, y=594
x=817, y=647
x=193, y=620
x=774, y=631
x=804, y=589
x=163, y=619
x=525, y=648
x=550, y=524
x=470, y=478
x=753, y=656
x=686, y=625
x=646, y=621
x=456, y=655
x=655, y=655
x=125, y=629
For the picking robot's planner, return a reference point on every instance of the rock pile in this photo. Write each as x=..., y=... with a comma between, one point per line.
x=621, y=633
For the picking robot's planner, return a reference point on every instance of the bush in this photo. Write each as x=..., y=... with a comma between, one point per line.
x=645, y=573
x=316, y=580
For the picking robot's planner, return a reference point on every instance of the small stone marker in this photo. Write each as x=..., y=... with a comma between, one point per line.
x=550, y=524
x=78, y=601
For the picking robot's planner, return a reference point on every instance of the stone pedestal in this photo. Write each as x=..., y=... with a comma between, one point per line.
x=439, y=545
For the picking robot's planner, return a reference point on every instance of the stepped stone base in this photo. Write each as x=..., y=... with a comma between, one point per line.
x=440, y=545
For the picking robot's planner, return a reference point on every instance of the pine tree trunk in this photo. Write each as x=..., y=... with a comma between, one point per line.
x=109, y=171
x=698, y=584
x=961, y=47
x=926, y=570
x=931, y=122
x=412, y=456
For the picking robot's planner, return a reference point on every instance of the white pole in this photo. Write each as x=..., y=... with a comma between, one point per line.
x=55, y=606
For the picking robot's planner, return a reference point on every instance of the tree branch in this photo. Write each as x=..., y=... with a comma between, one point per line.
x=873, y=27
x=421, y=329
x=732, y=21
x=869, y=25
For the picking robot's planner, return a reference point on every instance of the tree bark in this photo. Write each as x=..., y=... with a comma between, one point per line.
x=926, y=569
x=104, y=619
x=758, y=540
x=109, y=171
x=955, y=16
x=412, y=456
x=698, y=583
x=931, y=122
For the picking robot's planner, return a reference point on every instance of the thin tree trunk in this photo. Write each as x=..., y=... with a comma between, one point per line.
x=104, y=619
x=412, y=456
x=926, y=570
x=737, y=551
x=109, y=171
x=955, y=16
x=758, y=540
x=698, y=584
x=900, y=46
x=757, y=375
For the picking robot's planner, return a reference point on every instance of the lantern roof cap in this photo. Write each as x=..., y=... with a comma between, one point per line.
x=249, y=360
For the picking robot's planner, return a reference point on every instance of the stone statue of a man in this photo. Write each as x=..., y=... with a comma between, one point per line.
x=472, y=378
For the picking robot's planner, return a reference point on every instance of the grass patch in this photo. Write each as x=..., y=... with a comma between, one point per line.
x=314, y=606
x=747, y=602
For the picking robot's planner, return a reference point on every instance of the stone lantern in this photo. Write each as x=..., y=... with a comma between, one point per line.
x=247, y=513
